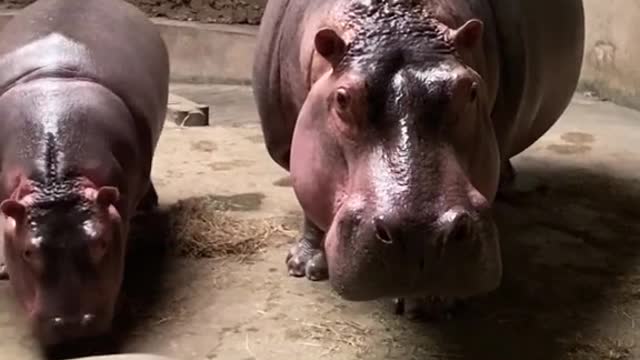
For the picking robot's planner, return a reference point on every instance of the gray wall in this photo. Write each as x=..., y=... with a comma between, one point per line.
x=612, y=55
x=611, y=68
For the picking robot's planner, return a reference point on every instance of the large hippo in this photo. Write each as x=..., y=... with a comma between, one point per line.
x=397, y=120
x=83, y=95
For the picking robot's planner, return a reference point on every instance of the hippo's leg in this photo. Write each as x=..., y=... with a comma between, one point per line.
x=149, y=201
x=4, y=275
x=307, y=257
x=507, y=178
x=427, y=308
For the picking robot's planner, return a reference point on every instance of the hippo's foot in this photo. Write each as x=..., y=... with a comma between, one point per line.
x=427, y=308
x=307, y=257
x=507, y=178
x=4, y=274
x=149, y=201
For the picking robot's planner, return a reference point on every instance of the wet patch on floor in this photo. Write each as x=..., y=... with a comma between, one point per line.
x=229, y=165
x=204, y=146
x=283, y=182
x=237, y=202
x=576, y=143
x=576, y=137
x=256, y=139
x=569, y=149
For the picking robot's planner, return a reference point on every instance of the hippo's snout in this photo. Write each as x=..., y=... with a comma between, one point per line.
x=455, y=226
x=398, y=253
x=55, y=330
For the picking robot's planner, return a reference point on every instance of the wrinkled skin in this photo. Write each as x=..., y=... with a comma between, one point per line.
x=397, y=120
x=84, y=120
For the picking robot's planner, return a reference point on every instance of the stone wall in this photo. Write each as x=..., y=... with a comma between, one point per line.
x=209, y=11
x=611, y=66
x=612, y=53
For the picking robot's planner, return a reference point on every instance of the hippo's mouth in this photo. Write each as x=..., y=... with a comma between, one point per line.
x=363, y=267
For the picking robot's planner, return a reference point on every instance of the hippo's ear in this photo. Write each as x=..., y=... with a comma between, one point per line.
x=14, y=210
x=107, y=196
x=468, y=35
x=330, y=45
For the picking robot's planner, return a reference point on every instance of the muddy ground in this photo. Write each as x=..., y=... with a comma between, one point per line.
x=207, y=11
x=570, y=237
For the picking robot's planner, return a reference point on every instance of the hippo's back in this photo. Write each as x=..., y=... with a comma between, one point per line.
x=279, y=83
x=107, y=41
x=541, y=44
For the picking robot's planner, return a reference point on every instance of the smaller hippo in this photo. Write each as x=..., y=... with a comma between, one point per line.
x=83, y=95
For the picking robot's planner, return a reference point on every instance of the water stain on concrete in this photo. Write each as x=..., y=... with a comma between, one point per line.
x=577, y=143
x=569, y=149
x=283, y=182
x=229, y=165
x=576, y=137
x=159, y=182
x=256, y=139
x=173, y=174
x=204, y=146
x=238, y=202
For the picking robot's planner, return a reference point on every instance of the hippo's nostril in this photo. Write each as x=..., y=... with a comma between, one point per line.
x=461, y=230
x=458, y=226
x=57, y=322
x=382, y=233
x=87, y=319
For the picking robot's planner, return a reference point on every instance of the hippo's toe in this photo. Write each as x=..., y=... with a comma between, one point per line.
x=307, y=257
x=427, y=308
x=4, y=274
x=304, y=260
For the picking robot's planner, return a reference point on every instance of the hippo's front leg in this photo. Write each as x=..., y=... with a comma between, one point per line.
x=4, y=274
x=307, y=257
x=507, y=178
x=149, y=201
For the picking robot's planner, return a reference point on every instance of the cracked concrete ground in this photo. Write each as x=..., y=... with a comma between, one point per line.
x=570, y=237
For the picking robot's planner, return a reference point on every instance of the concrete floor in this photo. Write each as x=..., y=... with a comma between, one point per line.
x=570, y=235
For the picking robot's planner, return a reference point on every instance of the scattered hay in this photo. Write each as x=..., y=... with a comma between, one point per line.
x=605, y=349
x=339, y=332
x=203, y=228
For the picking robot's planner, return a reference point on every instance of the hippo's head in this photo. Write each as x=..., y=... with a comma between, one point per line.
x=65, y=255
x=395, y=154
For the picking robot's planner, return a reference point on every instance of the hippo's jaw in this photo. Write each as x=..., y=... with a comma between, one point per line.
x=366, y=263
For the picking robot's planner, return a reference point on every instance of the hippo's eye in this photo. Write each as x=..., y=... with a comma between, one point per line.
x=473, y=94
x=342, y=98
x=29, y=254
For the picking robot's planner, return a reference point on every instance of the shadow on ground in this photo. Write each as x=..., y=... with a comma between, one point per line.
x=570, y=249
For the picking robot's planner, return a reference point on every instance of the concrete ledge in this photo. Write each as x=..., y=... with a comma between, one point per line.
x=218, y=53
x=203, y=53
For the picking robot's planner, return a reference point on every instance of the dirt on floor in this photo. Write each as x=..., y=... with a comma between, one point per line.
x=207, y=11
x=569, y=232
